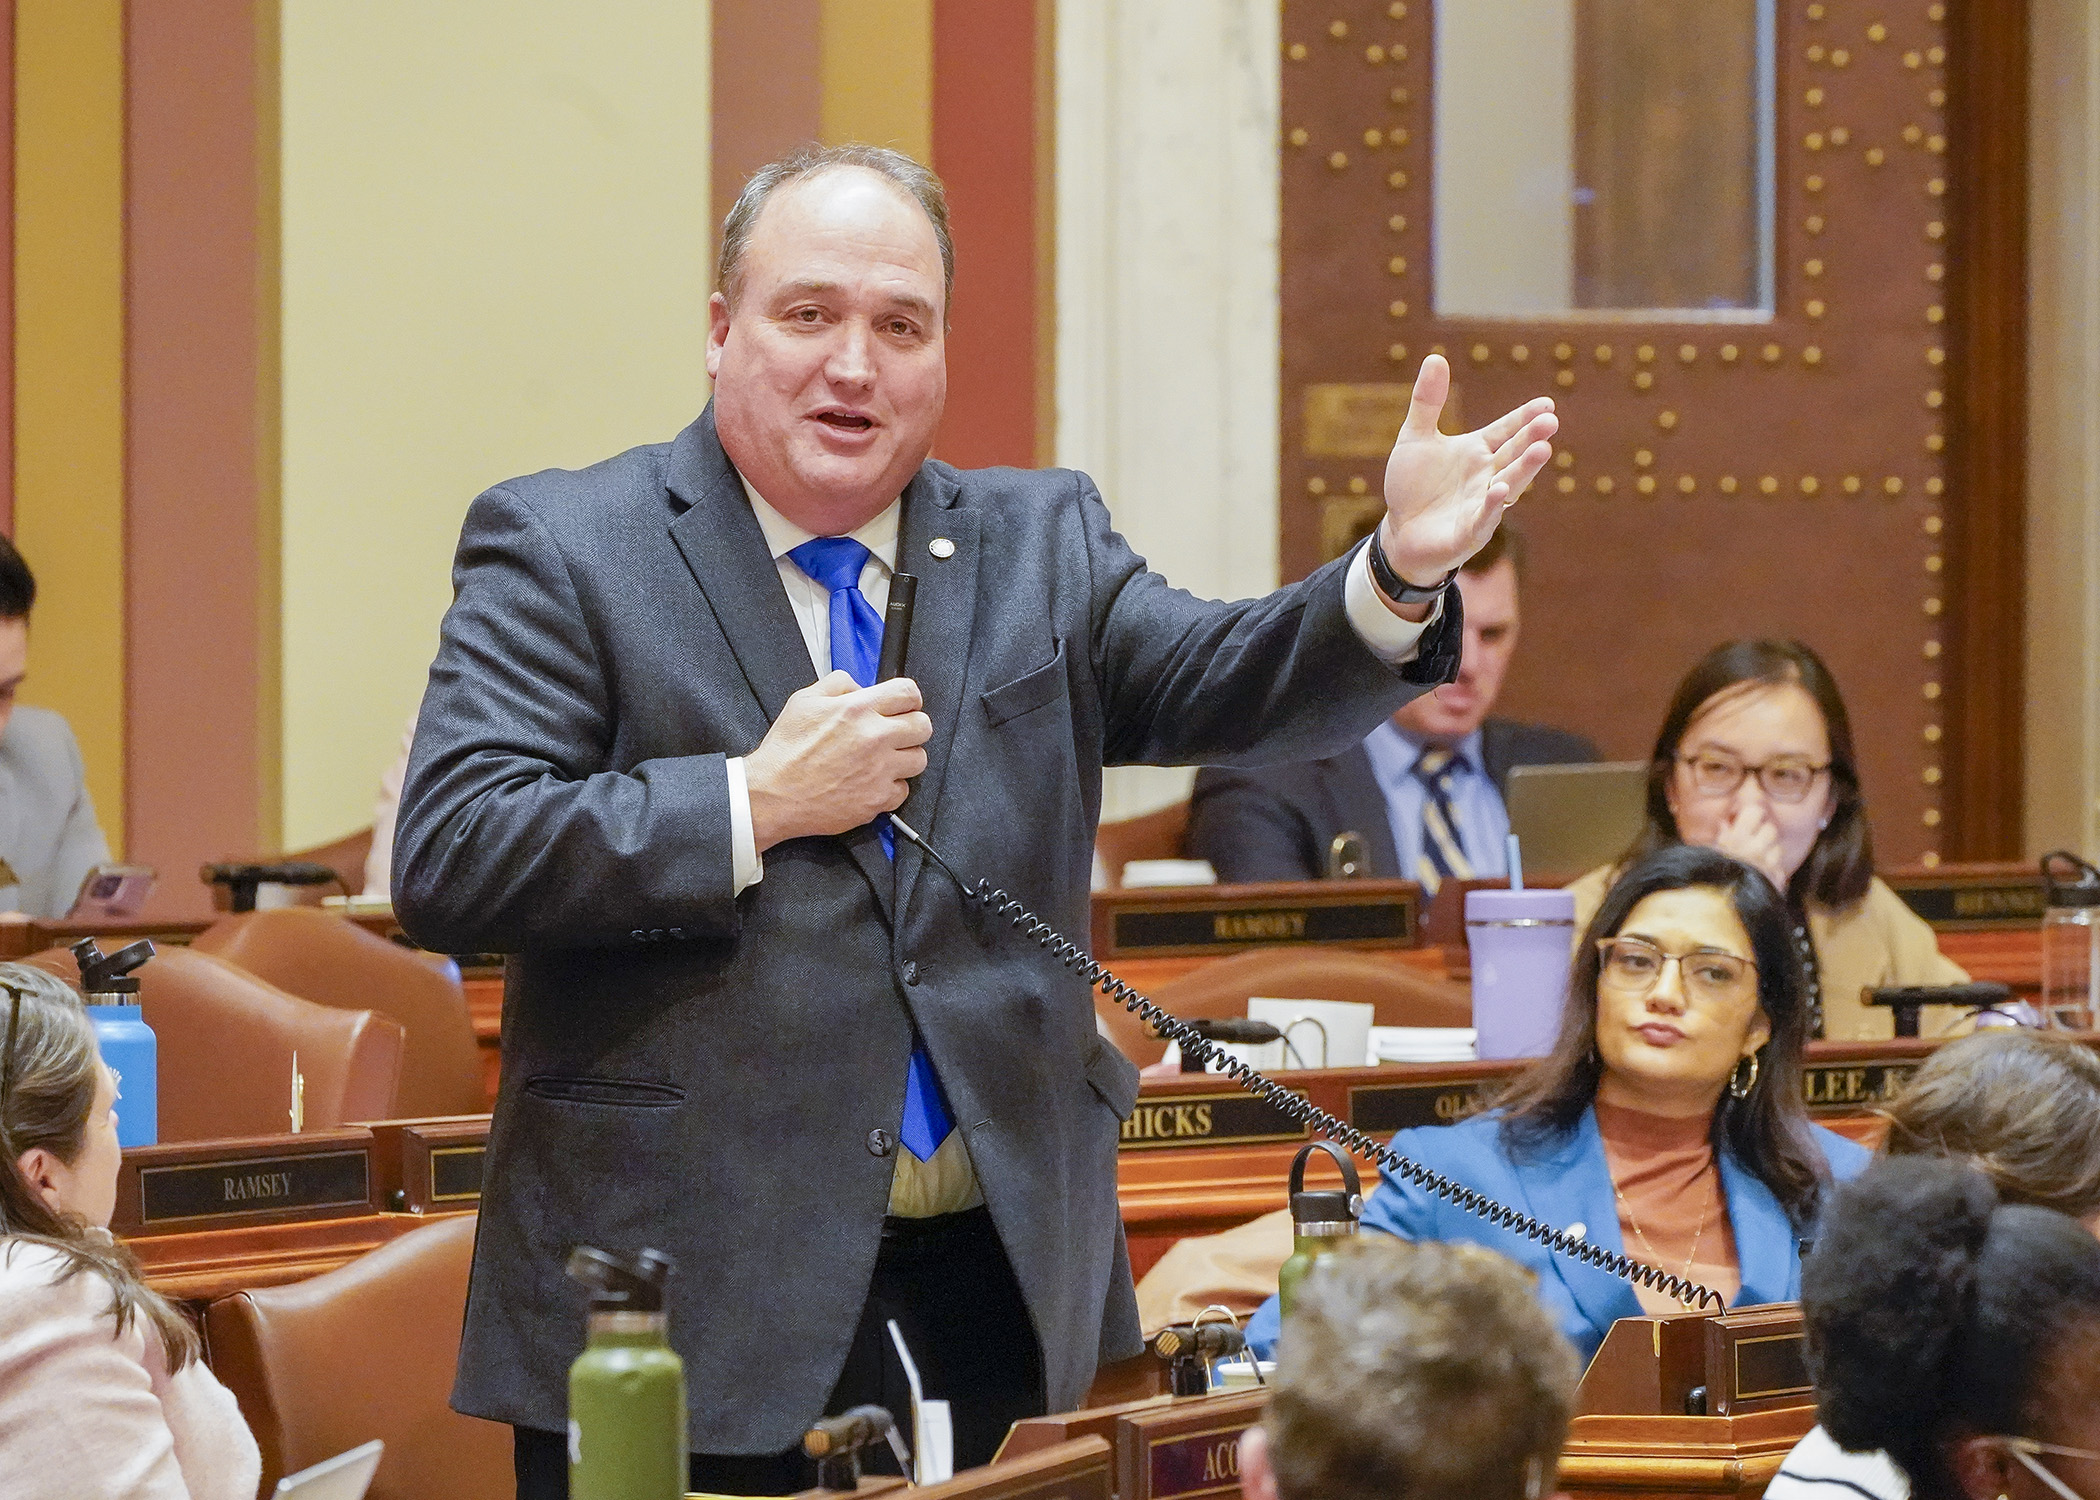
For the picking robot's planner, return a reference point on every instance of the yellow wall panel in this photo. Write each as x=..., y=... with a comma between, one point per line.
x=877, y=66
x=69, y=370
x=495, y=258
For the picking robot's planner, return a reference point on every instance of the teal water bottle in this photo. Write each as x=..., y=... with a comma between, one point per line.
x=1319, y=1221
x=627, y=1389
x=126, y=1042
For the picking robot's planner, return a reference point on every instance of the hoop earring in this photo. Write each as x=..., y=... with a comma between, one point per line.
x=1739, y=1087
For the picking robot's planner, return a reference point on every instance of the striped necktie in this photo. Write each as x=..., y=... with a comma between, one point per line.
x=1443, y=855
x=835, y=564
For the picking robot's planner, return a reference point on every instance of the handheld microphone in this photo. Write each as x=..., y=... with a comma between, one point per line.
x=896, y=626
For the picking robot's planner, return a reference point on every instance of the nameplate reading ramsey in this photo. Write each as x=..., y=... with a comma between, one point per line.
x=1234, y=1119
x=249, y=1186
x=1847, y=1086
x=1382, y=1108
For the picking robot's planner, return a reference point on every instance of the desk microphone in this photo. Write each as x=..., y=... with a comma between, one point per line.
x=848, y=1430
x=896, y=626
x=1234, y=1029
x=1205, y=1341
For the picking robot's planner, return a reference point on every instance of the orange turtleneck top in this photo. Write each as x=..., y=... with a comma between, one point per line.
x=1672, y=1208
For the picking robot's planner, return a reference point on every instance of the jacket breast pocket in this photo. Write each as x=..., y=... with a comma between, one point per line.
x=620, y=1092
x=1028, y=692
x=1113, y=1076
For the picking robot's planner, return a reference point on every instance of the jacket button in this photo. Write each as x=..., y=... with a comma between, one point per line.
x=656, y=934
x=639, y=936
x=880, y=1142
x=911, y=973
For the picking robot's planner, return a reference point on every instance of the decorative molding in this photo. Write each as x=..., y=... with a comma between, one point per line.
x=1167, y=292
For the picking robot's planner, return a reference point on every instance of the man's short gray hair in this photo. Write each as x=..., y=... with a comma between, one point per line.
x=914, y=181
x=1416, y=1370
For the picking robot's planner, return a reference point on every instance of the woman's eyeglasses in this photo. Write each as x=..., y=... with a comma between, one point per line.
x=1633, y=966
x=2024, y=1450
x=1788, y=779
x=7, y=1052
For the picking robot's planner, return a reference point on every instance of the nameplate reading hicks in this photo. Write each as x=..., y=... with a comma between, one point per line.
x=1233, y=1119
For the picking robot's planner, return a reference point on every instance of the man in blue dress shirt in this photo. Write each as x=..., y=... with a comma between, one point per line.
x=1423, y=790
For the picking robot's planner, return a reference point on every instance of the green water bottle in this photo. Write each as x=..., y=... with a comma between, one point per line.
x=1319, y=1221
x=627, y=1389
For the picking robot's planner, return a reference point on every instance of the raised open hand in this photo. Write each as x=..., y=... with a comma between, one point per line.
x=1443, y=495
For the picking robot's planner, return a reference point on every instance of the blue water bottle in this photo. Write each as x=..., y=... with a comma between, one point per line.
x=125, y=1040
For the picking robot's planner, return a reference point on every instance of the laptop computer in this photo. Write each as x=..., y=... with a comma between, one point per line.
x=1571, y=819
x=344, y=1477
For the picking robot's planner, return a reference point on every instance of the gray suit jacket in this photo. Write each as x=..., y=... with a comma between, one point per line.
x=1278, y=823
x=703, y=1073
x=48, y=833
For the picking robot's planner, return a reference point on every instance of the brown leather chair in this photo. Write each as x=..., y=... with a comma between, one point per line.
x=226, y=1043
x=1152, y=835
x=365, y=1351
x=330, y=960
x=1402, y=996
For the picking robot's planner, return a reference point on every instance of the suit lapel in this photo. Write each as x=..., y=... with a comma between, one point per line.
x=1571, y=1186
x=1360, y=807
x=727, y=553
x=939, y=655
x=729, y=559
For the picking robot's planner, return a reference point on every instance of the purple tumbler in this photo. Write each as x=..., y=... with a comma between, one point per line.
x=1521, y=943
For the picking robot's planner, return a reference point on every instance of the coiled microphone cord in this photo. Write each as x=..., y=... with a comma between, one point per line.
x=1303, y=1110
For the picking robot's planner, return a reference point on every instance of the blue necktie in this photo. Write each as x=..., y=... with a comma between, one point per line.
x=1443, y=854
x=835, y=563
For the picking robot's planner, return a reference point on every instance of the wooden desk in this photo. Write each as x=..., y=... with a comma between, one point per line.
x=20, y=939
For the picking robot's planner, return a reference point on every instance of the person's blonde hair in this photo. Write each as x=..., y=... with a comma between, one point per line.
x=48, y=1076
x=1416, y=1369
x=2021, y=1106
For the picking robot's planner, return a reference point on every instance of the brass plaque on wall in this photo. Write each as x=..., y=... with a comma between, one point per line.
x=1354, y=421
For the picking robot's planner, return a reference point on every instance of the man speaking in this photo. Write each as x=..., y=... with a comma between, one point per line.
x=741, y=1023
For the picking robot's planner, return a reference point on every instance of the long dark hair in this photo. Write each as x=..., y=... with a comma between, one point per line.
x=1767, y=1131
x=1841, y=864
x=50, y=1088
x=1934, y=1310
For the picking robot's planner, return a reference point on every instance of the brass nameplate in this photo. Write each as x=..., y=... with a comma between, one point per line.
x=1966, y=904
x=1186, y=928
x=247, y=1186
x=1354, y=421
x=1382, y=1108
x=1775, y=1365
x=1847, y=1086
x=1233, y=1119
x=1203, y=1463
x=455, y=1173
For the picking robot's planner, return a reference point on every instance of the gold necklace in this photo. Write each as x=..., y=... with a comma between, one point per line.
x=1655, y=1256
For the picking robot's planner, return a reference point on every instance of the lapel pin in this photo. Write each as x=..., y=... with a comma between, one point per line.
x=941, y=547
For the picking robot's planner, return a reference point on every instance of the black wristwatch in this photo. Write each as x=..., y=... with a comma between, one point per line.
x=1398, y=589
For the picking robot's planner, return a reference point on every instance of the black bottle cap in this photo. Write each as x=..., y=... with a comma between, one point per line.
x=1325, y=1206
x=622, y=1283
x=2070, y=880
x=110, y=973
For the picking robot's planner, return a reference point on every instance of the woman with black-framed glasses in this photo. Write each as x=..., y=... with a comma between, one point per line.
x=1667, y=1120
x=101, y=1390
x=1959, y=1333
x=1755, y=759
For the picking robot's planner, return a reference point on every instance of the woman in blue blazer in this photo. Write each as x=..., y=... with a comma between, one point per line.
x=1687, y=1008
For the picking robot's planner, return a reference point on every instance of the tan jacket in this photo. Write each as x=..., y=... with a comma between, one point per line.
x=1875, y=941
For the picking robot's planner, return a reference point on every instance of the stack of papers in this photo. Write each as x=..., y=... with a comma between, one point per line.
x=1422, y=1044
